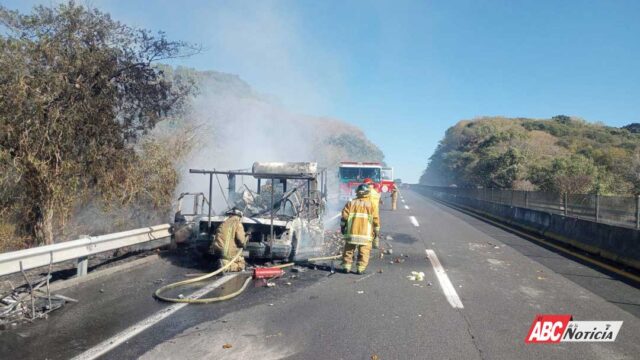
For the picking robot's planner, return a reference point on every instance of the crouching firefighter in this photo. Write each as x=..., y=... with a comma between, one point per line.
x=360, y=225
x=229, y=240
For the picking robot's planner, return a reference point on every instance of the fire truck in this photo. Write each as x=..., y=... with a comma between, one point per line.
x=352, y=173
x=387, y=184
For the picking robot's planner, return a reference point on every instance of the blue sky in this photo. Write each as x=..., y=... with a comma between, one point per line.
x=405, y=71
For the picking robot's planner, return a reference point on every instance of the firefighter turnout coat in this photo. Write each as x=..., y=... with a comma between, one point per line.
x=230, y=237
x=360, y=221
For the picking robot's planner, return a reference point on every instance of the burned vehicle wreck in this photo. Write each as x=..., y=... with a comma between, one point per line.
x=283, y=210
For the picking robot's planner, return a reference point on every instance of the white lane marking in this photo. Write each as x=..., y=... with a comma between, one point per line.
x=447, y=288
x=136, y=329
x=414, y=221
x=406, y=207
x=334, y=217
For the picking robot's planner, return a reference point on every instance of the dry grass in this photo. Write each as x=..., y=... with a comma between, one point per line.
x=9, y=241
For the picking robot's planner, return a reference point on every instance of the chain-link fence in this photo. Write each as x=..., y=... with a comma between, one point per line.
x=615, y=210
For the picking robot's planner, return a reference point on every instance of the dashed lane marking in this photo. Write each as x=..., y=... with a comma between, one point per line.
x=414, y=221
x=446, y=285
x=116, y=340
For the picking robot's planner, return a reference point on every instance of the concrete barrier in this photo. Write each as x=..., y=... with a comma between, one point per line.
x=615, y=243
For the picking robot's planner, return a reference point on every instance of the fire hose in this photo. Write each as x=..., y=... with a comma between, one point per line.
x=267, y=272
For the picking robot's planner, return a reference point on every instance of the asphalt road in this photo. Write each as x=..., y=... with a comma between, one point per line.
x=498, y=283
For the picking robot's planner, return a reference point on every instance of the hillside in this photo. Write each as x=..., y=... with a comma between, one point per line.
x=563, y=154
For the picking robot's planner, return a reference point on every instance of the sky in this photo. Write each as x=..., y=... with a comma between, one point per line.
x=405, y=71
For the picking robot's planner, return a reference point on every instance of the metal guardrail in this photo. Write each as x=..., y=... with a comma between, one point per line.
x=78, y=249
x=615, y=210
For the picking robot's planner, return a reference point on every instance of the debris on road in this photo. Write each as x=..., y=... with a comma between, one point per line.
x=227, y=346
x=30, y=301
x=360, y=291
x=416, y=276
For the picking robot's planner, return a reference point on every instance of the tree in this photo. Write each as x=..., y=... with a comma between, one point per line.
x=77, y=90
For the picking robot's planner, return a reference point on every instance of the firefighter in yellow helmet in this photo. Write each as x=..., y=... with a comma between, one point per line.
x=375, y=197
x=229, y=239
x=360, y=224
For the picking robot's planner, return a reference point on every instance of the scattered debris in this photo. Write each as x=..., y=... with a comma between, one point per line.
x=360, y=291
x=271, y=284
x=180, y=296
x=30, y=301
x=227, y=346
x=429, y=283
x=388, y=251
x=333, y=243
x=375, y=357
x=541, y=277
x=298, y=269
x=101, y=290
x=398, y=260
x=380, y=271
x=288, y=283
x=416, y=276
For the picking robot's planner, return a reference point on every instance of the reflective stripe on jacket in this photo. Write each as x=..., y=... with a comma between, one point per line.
x=360, y=221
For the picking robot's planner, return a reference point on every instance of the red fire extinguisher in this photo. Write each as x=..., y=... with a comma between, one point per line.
x=267, y=272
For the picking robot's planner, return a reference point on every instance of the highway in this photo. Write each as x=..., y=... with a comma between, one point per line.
x=482, y=288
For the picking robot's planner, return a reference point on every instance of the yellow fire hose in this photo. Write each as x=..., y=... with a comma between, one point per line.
x=188, y=300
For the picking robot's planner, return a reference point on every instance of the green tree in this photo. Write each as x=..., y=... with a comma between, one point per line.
x=77, y=90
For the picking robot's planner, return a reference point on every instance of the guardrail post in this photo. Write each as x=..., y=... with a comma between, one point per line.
x=526, y=199
x=565, y=203
x=82, y=266
x=512, y=194
x=597, y=207
x=637, y=211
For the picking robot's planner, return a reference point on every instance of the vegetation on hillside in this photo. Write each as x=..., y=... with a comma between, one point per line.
x=562, y=154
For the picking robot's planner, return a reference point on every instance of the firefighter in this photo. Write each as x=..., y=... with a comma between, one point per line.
x=394, y=197
x=360, y=224
x=374, y=195
x=229, y=239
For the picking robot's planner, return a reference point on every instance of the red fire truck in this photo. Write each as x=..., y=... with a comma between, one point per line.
x=352, y=173
x=387, y=184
